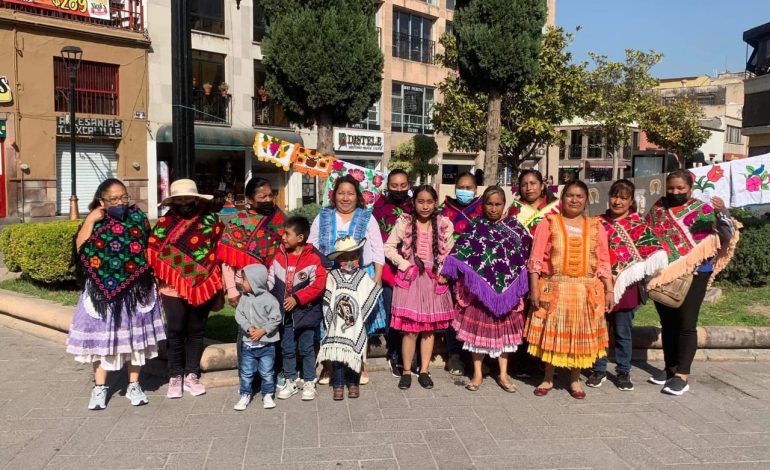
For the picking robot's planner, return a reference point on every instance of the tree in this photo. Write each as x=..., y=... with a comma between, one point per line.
x=622, y=95
x=676, y=127
x=529, y=117
x=414, y=157
x=323, y=62
x=498, y=42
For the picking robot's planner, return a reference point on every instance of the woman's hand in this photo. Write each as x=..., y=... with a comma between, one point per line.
x=96, y=215
x=442, y=280
x=718, y=203
x=609, y=301
x=534, y=299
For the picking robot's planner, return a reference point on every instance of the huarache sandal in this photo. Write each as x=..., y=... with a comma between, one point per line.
x=542, y=391
x=577, y=394
x=470, y=386
x=509, y=387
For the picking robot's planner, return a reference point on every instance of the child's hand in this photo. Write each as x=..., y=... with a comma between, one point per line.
x=442, y=280
x=256, y=334
x=289, y=304
x=233, y=301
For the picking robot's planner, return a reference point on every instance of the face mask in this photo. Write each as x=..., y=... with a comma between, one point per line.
x=398, y=197
x=186, y=210
x=464, y=196
x=348, y=265
x=117, y=212
x=676, y=200
x=264, y=207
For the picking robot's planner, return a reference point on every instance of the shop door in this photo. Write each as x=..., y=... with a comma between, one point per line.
x=94, y=162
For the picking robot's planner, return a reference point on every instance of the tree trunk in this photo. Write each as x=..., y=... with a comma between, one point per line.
x=615, y=164
x=492, y=153
x=325, y=133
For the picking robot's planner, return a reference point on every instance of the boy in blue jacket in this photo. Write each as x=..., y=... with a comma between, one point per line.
x=297, y=279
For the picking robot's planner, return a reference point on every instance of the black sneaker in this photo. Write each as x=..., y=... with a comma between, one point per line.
x=676, y=386
x=425, y=380
x=624, y=382
x=660, y=379
x=405, y=382
x=596, y=379
x=395, y=367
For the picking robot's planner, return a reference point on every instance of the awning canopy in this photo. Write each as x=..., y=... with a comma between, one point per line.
x=227, y=138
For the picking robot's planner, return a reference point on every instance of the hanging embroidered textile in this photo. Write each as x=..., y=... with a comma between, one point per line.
x=273, y=150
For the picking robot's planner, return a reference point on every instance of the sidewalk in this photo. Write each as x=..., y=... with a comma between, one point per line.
x=44, y=423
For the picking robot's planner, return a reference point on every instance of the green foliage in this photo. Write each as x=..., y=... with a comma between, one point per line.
x=414, y=156
x=308, y=211
x=676, y=126
x=42, y=251
x=751, y=264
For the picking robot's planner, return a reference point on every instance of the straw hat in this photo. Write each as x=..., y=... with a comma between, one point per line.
x=185, y=187
x=346, y=245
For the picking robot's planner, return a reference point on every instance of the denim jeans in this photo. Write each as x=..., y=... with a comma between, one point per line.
x=343, y=375
x=304, y=338
x=257, y=360
x=620, y=323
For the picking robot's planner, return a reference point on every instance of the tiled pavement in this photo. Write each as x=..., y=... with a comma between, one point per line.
x=723, y=423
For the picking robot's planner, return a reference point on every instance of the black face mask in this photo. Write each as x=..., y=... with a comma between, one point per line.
x=676, y=200
x=118, y=212
x=264, y=207
x=398, y=197
x=186, y=210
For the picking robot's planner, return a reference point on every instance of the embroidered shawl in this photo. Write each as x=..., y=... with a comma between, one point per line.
x=687, y=234
x=406, y=248
x=460, y=216
x=114, y=264
x=530, y=215
x=491, y=257
x=251, y=238
x=386, y=214
x=183, y=254
x=349, y=300
x=327, y=233
x=635, y=251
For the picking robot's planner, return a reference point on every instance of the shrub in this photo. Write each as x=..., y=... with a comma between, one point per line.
x=42, y=251
x=308, y=211
x=751, y=264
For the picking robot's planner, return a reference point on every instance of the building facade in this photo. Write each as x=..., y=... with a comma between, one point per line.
x=111, y=103
x=756, y=111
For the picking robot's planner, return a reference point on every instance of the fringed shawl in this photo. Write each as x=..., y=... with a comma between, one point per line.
x=462, y=217
x=530, y=215
x=183, y=254
x=114, y=264
x=250, y=239
x=635, y=251
x=490, y=258
x=688, y=236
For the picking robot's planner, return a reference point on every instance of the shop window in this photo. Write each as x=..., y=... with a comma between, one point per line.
x=260, y=25
x=207, y=16
x=265, y=111
x=449, y=173
x=96, y=89
x=412, y=108
x=412, y=37
x=370, y=164
x=211, y=93
x=309, y=190
x=372, y=120
x=597, y=175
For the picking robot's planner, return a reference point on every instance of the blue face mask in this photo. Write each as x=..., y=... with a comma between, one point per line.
x=464, y=196
x=117, y=212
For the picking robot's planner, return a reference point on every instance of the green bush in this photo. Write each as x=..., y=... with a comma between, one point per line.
x=42, y=251
x=751, y=264
x=308, y=211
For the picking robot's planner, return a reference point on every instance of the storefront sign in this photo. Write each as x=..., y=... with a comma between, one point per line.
x=91, y=8
x=5, y=90
x=112, y=128
x=354, y=140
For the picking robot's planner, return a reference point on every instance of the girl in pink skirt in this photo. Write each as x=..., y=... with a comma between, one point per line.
x=422, y=302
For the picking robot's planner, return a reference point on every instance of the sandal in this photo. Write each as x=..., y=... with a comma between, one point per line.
x=542, y=391
x=339, y=393
x=470, y=386
x=509, y=387
x=425, y=380
x=364, y=379
x=577, y=394
x=405, y=381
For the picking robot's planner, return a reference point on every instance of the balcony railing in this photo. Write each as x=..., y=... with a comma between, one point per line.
x=212, y=108
x=575, y=152
x=267, y=114
x=125, y=14
x=413, y=48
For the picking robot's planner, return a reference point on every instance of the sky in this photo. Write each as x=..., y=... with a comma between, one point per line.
x=696, y=37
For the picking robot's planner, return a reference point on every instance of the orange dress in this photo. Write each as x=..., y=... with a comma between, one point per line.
x=569, y=329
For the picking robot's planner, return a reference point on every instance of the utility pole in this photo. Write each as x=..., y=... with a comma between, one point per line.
x=182, y=120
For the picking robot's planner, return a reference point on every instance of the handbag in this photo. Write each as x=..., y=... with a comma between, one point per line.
x=672, y=294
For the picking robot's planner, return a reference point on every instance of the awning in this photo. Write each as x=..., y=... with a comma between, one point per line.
x=226, y=138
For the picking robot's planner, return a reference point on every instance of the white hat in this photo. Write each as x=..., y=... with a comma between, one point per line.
x=346, y=245
x=185, y=187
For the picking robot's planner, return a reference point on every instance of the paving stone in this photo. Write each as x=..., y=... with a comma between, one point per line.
x=226, y=452
x=447, y=449
x=400, y=424
x=125, y=461
x=336, y=454
x=188, y=461
x=369, y=438
x=265, y=443
x=414, y=456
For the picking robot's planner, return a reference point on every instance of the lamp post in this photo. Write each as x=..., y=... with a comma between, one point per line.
x=72, y=56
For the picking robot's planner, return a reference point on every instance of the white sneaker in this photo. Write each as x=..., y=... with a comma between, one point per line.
x=289, y=390
x=268, y=403
x=308, y=391
x=242, y=403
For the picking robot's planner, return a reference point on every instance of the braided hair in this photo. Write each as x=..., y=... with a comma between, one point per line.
x=434, y=227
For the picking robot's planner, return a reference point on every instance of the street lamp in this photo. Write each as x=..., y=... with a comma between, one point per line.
x=71, y=56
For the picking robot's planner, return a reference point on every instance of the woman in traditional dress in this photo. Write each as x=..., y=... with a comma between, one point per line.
x=635, y=254
x=534, y=200
x=699, y=238
x=252, y=236
x=571, y=290
x=117, y=319
x=182, y=252
x=387, y=209
x=460, y=210
x=347, y=216
x=422, y=303
x=487, y=264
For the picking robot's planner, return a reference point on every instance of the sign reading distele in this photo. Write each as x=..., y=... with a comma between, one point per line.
x=354, y=140
x=112, y=128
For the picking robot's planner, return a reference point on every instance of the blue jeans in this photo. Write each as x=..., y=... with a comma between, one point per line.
x=257, y=360
x=620, y=323
x=343, y=375
x=304, y=338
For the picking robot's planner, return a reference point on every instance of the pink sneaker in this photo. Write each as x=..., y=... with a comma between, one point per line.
x=193, y=385
x=174, y=387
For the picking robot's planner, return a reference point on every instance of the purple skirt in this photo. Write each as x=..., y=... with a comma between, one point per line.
x=116, y=339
